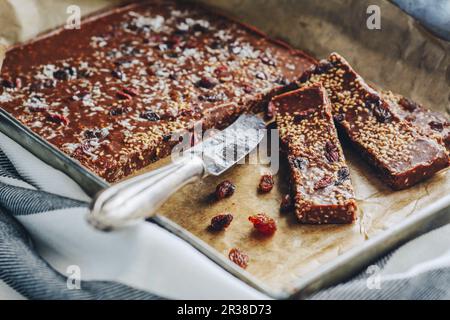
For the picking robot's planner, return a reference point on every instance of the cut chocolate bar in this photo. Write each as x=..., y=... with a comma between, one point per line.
x=400, y=153
x=113, y=93
x=322, y=189
x=431, y=123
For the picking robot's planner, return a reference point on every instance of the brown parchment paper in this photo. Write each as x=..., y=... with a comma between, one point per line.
x=401, y=57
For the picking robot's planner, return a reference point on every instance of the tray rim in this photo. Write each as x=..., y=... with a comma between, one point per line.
x=353, y=260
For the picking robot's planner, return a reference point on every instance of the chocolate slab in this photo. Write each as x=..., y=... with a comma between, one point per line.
x=400, y=153
x=323, y=193
x=115, y=92
x=431, y=123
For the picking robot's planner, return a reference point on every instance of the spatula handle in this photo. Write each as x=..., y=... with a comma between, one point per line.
x=140, y=197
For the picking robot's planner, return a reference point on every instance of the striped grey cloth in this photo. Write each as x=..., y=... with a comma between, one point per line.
x=21, y=267
x=418, y=270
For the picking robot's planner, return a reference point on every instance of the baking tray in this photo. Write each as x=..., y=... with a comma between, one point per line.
x=328, y=274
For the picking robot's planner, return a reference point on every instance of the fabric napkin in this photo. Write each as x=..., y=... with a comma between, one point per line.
x=46, y=246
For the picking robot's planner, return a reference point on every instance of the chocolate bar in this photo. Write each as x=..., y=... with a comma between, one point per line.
x=115, y=93
x=431, y=123
x=401, y=155
x=322, y=190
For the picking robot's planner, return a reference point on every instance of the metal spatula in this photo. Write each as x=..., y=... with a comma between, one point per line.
x=141, y=196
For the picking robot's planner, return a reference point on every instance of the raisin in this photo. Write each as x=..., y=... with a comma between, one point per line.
x=286, y=203
x=130, y=91
x=408, y=105
x=342, y=175
x=266, y=183
x=35, y=87
x=299, y=116
x=323, y=67
x=225, y=190
x=60, y=74
x=331, y=152
x=221, y=222
x=150, y=116
x=199, y=28
x=49, y=83
x=117, y=111
x=382, y=114
x=248, y=89
x=238, y=257
x=7, y=84
x=323, y=183
x=206, y=82
x=124, y=96
x=264, y=224
x=282, y=81
x=436, y=126
x=95, y=134
x=117, y=73
x=267, y=60
x=261, y=75
x=300, y=163
x=339, y=117
x=57, y=118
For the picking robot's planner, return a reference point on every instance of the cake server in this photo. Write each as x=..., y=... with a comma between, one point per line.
x=140, y=197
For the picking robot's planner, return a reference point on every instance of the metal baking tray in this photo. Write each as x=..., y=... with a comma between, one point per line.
x=330, y=273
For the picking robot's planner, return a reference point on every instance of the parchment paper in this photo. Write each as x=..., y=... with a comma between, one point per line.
x=401, y=57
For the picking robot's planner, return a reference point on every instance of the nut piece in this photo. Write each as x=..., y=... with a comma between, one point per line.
x=225, y=190
x=221, y=222
x=238, y=257
x=264, y=224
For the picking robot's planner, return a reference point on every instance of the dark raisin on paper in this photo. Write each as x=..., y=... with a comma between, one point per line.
x=263, y=224
x=221, y=222
x=266, y=183
x=225, y=190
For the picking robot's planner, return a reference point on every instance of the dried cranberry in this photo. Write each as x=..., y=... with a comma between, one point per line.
x=221, y=222
x=300, y=163
x=150, y=116
x=436, y=126
x=323, y=183
x=342, y=175
x=57, y=118
x=225, y=190
x=207, y=83
x=238, y=257
x=266, y=183
x=286, y=203
x=331, y=152
x=264, y=224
